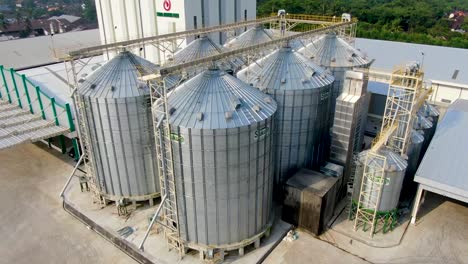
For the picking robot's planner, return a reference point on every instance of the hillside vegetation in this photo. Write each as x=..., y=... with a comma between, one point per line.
x=415, y=21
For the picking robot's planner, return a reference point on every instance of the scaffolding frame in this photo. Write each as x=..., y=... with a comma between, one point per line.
x=168, y=210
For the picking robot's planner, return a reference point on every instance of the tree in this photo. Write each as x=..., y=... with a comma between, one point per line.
x=89, y=12
x=3, y=22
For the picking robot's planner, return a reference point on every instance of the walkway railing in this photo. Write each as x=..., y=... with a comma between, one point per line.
x=18, y=90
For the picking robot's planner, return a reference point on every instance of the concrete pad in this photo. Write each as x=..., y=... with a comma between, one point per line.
x=33, y=226
x=390, y=239
x=440, y=236
x=156, y=249
x=307, y=249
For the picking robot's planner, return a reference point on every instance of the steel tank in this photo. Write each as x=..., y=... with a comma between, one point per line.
x=432, y=114
x=338, y=56
x=120, y=129
x=414, y=155
x=425, y=126
x=255, y=35
x=394, y=174
x=302, y=90
x=223, y=159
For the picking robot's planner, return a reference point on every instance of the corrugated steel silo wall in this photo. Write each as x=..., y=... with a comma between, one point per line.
x=122, y=140
x=391, y=188
x=224, y=182
x=301, y=129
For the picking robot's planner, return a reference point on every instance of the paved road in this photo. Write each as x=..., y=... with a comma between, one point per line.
x=33, y=226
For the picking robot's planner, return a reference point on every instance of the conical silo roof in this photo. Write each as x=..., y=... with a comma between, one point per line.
x=330, y=50
x=197, y=49
x=216, y=100
x=394, y=161
x=416, y=137
x=429, y=110
x=255, y=35
x=285, y=69
x=420, y=122
x=118, y=78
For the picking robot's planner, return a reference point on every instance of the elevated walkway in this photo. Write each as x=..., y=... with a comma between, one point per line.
x=27, y=114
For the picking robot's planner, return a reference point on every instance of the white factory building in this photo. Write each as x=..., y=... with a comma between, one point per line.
x=121, y=20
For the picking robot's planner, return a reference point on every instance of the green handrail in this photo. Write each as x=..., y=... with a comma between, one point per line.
x=39, y=99
x=12, y=72
x=5, y=83
x=23, y=77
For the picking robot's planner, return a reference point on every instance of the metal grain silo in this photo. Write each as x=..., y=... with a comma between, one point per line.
x=120, y=129
x=335, y=54
x=394, y=176
x=414, y=153
x=302, y=91
x=432, y=114
x=425, y=126
x=255, y=35
x=223, y=157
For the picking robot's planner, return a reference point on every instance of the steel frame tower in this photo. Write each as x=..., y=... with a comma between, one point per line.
x=405, y=96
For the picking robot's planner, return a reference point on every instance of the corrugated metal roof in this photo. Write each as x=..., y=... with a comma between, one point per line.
x=197, y=49
x=31, y=52
x=285, y=69
x=330, y=50
x=440, y=63
x=255, y=35
x=118, y=78
x=216, y=100
x=445, y=163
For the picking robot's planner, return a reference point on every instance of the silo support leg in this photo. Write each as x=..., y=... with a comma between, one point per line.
x=241, y=251
x=417, y=202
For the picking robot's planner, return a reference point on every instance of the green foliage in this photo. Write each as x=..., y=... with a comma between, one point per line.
x=89, y=13
x=416, y=21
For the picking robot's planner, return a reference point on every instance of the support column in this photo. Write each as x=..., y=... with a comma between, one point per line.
x=417, y=202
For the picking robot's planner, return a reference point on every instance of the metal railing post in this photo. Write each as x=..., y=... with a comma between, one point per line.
x=23, y=77
x=5, y=83
x=12, y=72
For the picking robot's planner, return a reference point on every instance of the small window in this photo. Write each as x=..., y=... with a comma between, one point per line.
x=195, y=26
x=455, y=74
x=446, y=101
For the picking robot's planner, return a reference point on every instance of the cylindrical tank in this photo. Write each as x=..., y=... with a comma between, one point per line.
x=302, y=91
x=425, y=126
x=255, y=35
x=120, y=129
x=125, y=20
x=334, y=53
x=394, y=173
x=414, y=153
x=223, y=158
x=432, y=114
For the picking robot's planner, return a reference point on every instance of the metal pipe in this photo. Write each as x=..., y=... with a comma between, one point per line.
x=152, y=222
x=71, y=176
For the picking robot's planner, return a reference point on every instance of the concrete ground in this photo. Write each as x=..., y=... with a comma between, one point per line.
x=440, y=236
x=33, y=226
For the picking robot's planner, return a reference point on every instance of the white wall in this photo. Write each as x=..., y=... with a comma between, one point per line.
x=447, y=93
x=121, y=20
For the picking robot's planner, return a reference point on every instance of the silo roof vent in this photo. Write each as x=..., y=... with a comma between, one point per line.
x=228, y=115
x=236, y=103
x=200, y=116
